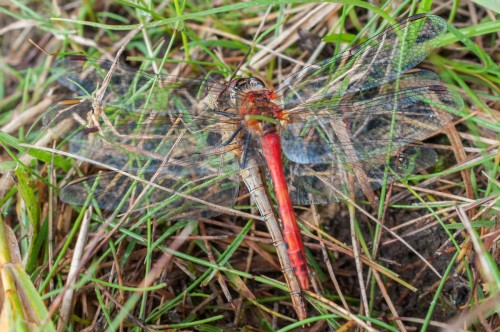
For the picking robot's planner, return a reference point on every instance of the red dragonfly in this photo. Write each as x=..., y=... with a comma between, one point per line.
x=357, y=113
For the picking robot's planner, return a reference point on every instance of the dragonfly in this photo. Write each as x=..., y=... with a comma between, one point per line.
x=346, y=125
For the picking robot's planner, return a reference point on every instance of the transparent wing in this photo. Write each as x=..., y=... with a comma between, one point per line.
x=370, y=123
x=328, y=182
x=324, y=142
x=126, y=86
x=124, y=138
x=353, y=111
x=169, y=135
x=165, y=190
x=375, y=62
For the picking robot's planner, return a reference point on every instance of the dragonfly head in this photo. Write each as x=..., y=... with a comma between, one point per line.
x=250, y=99
x=232, y=97
x=235, y=92
x=241, y=86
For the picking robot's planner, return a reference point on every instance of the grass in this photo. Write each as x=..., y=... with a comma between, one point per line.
x=425, y=256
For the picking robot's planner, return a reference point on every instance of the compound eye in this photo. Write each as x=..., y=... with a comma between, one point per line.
x=255, y=84
x=235, y=89
x=241, y=85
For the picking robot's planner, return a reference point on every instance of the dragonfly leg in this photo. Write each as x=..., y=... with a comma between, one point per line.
x=244, y=156
x=233, y=135
x=228, y=114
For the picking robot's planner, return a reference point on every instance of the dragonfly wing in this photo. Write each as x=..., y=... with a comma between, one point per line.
x=128, y=137
x=325, y=183
x=370, y=123
x=170, y=127
x=126, y=86
x=379, y=60
x=163, y=190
